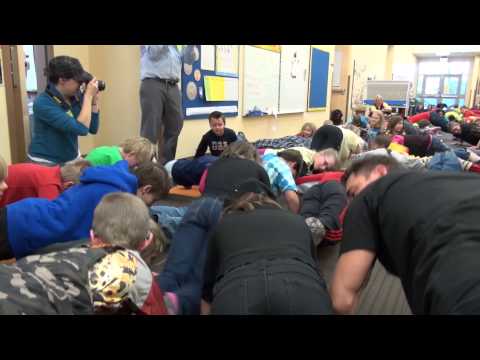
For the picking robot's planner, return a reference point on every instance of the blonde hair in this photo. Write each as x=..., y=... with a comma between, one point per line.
x=72, y=170
x=309, y=125
x=359, y=108
x=122, y=219
x=3, y=169
x=382, y=117
x=334, y=154
x=140, y=146
x=241, y=150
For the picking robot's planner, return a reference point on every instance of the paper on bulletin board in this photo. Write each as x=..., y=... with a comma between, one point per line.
x=221, y=88
x=194, y=111
x=227, y=60
x=207, y=57
x=274, y=48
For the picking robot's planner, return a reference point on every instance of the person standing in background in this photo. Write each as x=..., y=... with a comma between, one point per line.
x=160, y=97
x=63, y=112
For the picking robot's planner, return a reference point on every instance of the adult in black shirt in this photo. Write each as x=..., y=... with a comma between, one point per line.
x=469, y=133
x=260, y=260
x=422, y=226
x=183, y=271
x=218, y=138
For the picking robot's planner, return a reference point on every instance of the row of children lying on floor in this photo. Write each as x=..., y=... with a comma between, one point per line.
x=53, y=205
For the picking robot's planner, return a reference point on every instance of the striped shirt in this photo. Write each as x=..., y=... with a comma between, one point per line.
x=279, y=172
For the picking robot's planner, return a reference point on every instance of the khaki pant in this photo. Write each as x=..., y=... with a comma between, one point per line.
x=162, y=118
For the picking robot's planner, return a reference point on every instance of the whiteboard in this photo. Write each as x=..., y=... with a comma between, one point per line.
x=294, y=64
x=337, y=69
x=393, y=92
x=261, y=79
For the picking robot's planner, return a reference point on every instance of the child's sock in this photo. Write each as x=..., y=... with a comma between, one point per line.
x=171, y=302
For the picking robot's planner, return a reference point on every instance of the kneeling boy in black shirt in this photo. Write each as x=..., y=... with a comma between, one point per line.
x=218, y=138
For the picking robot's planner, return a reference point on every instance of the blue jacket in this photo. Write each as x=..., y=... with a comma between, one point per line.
x=34, y=223
x=56, y=129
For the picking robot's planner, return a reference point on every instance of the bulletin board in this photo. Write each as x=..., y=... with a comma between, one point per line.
x=294, y=66
x=203, y=89
x=395, y=93
x=261, y=79
x=318, y=85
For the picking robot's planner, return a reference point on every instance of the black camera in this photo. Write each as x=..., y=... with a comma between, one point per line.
x=87, y=77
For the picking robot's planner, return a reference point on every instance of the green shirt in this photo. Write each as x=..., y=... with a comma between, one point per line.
x=455, y=114
x=104, y=155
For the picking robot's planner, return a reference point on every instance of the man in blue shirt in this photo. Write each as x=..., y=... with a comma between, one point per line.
x=160, y=97
x=62, y=113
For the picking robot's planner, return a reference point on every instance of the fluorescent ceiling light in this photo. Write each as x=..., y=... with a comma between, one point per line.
x=444, y=53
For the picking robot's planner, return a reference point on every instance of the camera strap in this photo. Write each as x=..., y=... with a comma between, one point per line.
x=61, y=101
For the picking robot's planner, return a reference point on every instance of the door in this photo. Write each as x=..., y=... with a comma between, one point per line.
x=36, y=61
x=17, y=128
x=444, y=89
x=451, y=90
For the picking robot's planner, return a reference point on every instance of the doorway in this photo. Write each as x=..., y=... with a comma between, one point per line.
x=36, y=60
x=442, y=89
x=24, y=79
x=443, y=80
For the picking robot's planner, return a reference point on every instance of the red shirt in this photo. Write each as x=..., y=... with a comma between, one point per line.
x=420, y=116
x=31, y=180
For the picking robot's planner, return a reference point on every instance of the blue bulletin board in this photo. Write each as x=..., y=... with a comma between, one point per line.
x=319, y=70
x=194, y=103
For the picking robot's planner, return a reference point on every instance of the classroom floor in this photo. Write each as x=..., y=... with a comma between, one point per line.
x=383, y=294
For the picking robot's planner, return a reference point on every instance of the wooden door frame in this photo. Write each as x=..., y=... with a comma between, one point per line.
x=17, y=127
x=13, y=94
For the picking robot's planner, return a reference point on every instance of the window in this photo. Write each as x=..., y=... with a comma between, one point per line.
x=443, y=81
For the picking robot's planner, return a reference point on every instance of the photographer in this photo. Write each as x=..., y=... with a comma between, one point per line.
x=63, y=112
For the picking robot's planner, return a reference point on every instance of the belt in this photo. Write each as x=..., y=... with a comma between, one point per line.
x=167, y=81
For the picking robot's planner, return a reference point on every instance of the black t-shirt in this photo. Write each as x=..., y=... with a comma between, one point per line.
x=424, y=228
x=327, y=136
x=470, y=133
x=225, y=173
x=418, y=145
x=215, y=143
x=242, y=238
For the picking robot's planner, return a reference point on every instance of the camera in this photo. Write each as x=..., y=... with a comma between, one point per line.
x=87, y=77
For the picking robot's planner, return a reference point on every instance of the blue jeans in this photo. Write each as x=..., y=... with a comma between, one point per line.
x=168, y=217
x=183, y=272
x=439, y=146
x=445, y=161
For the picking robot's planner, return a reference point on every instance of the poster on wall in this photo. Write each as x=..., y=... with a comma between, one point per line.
x=318, y=88
x=274, y=48
x=261, y=81
x=219, y=88
x=203, y=91
x=207, y=61
x=294, y=62
x=227, y=60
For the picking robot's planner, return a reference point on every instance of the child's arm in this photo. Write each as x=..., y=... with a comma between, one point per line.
x=50, y=192
x=202, y=147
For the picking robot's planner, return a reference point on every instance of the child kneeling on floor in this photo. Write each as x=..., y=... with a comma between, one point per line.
x=108, y=276
x=136, y=151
